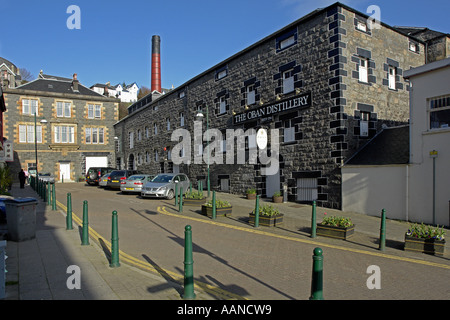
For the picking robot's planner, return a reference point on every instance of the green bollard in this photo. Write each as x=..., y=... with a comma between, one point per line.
x=180, y=203
x=313, y=221
x=69, y=212
x=383, y=230
x=44, y=192
x=85, y=233
x=114, y=242
x=188, y=265
x=49, y=194
x=53, y=197
x=200, y=187
x=190, y=187
x=176, y=194
x=214, y=206
x=257, y=211
x=317, y=276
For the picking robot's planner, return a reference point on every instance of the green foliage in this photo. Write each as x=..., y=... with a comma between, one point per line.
x=425, y=231
x=336, y=221
x=193, y=195
x=251, y=191
x=219, y=204
x=277, y=194
x=5, y=180
x=268, y=211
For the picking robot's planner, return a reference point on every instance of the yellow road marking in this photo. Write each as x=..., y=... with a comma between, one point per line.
x=256, y=231
x=142, y=265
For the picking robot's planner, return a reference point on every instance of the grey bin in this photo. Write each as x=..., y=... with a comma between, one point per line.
x=21, y=218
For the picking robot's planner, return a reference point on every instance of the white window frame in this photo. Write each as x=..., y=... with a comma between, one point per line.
x=288, y=81
x=251, y=95
x=26, y=133
x=94, y=111
x=155, y=128
x=435, y=105
x=361, y=26
x=64, y=134
x=168, y=124
x=222, y=74
x=363, y=70
x=392, y=74
x=63, y=109
x=181, y=119
x=28, y=105
x=222, y=105
x=287, y=42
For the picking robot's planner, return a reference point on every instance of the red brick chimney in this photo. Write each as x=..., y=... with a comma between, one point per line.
x=156, y=64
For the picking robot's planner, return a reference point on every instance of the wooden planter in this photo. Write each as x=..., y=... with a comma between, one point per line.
x=273, y=221
x=335, y=232
x=251, y=196
x=277, y=199
x=193, y=202
x=220, y=212
x=430, y=246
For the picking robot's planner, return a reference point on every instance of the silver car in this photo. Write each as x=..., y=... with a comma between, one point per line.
x=163, y=185
x=103, y=180
x=135, y=182
x=46, y=177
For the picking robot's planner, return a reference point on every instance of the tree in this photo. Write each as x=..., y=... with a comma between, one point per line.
x=26, y=75
x=143, y=92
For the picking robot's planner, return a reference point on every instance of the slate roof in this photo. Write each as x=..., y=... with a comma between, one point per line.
x=57, y=86
x=390, y=146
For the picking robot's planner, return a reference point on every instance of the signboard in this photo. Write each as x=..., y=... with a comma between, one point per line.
x=297, y=102
x=261, y=138
x=8, y=149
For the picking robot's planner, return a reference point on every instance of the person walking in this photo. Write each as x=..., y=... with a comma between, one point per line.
x=22, y=179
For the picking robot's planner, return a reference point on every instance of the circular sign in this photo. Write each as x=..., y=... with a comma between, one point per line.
x=261, y=138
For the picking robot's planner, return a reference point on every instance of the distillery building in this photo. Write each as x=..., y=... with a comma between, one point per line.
x=329, y=82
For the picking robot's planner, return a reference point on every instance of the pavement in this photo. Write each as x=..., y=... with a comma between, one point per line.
x=45, y=268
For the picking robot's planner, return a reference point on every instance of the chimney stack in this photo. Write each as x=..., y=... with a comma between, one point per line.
x=75, y=83
x=156, y=64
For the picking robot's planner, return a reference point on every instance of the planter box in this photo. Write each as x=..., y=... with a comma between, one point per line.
x=430, y=246
x=193, y=202
x=251, y=196
x=277, y=199
x=220, y=212
x=267, y=221
x=335, y=232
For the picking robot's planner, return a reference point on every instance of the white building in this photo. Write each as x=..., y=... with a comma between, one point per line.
x=416, y=187
x=128, y=93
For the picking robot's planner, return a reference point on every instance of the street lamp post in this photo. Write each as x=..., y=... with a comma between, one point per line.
x=200, y=115
x=35, y=146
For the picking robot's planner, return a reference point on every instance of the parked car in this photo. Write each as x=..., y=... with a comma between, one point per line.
x=94, y=174
x=116, y=177
x=46, y=177
x=163, y=185
x=135, y=182
x=104, y=180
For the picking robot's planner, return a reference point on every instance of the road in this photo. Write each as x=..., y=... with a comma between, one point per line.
x=253, y=263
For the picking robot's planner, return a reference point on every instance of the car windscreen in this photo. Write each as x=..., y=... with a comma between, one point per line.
x=162, y=178
x=117, y=174
x=136, y=178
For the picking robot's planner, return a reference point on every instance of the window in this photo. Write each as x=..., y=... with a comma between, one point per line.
x=307, y=189
x=94, y=135
x=439, y=110
x=288, y=81
x=63, y=109
x=168, y=124
x=26, y=134
x=94, y=111
x=64, y=134
x=147, y=132
x=155, y=128
x=147, y=157
x=156, y=156
x=414, y=47
x=181, y=119
x=363, y=74
x=131, y=139
x=222, y=105
x=221, y=73
x=250, y=95
x=30, y=106
x=289, y=38
x=139, y=135
x=364, y=124
x=361, y=26
x=289, y=131
x=392, y=74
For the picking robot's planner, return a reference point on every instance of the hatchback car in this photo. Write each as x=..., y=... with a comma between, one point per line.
x=103, y=180
x=116, y=177
x=94, y=174
x=163, y=185
x=135, y=182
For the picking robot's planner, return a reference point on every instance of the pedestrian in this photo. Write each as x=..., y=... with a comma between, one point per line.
x=22, y=179
x=26, y=177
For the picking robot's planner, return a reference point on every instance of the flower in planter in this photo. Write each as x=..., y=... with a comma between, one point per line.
x=267, y=210
x=251, y=191
x=277, y=194
x=219, y=204
x=336, y=221
x=193, y=195
x=425, y=232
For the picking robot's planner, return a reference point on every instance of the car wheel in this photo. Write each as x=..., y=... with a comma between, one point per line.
x=170, y=195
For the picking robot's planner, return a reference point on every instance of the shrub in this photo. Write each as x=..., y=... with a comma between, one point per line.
x=219, y=204
x=267, y=210
x=426, y=232
x=336, y=221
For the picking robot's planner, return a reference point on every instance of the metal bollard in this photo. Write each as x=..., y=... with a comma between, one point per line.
x=317, y=275
x=214, y=209
x=257, y=211
x=85, y=233
x=383, y=231
x=176, y=194
x=114, y=242
x=53, y=197
x=69, y=212
x=180, y=203
x=188, y=265
x=49, y=194
x=313, y=221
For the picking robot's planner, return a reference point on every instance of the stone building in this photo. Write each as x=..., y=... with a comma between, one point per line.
x=9, y=74
x=73, y=124
x=328, y=81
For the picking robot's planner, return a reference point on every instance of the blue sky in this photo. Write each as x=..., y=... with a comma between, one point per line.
x=114, y=42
